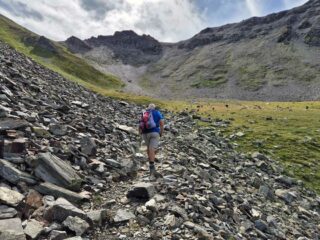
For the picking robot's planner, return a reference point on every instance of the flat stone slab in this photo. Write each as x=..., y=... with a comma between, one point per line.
x=12, y=124
x=52, y=169
x=14, y=175
x=33, y=229
x=61, y=209
x=123, y=216
x=7, y=212
x=127, y=129
x=56, y=191
x=11, y=229
x=10, y=197
x=76, y=224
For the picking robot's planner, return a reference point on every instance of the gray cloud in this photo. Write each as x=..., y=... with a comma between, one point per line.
x=166, y=20
x=20, y=9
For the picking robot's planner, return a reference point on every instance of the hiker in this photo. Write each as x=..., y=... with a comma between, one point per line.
x=151, y=127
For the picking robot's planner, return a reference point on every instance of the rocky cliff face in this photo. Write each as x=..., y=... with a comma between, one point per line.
x=72, y=164
x=126, y=46
x=263, y=58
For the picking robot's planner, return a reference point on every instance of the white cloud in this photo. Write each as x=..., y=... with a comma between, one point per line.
x=166, y=20
x=253, y=7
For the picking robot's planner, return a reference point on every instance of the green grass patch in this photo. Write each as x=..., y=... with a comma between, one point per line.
x=61, y=61
x=292, y=136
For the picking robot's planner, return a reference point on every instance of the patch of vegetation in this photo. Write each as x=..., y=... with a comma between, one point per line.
x=62, y=61
x=287, y=132
x=252, y=77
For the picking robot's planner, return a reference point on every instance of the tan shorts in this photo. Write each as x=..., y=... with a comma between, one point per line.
x=151, y=139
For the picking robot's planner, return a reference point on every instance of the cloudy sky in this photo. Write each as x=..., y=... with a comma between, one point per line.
x=166, y=20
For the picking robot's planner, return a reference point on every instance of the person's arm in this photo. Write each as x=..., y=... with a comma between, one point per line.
x=161, y=124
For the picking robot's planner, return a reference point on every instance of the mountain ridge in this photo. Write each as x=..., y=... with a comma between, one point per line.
x=262, y=58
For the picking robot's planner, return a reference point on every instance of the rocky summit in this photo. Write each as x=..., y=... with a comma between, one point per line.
x=72, y=167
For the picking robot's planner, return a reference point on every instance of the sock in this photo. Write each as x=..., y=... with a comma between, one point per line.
x=151, y=166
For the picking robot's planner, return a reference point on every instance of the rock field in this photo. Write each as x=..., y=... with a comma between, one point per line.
x=72, y=167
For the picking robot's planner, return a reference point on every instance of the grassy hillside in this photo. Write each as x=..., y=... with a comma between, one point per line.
x=59, y=60
x=287, y=132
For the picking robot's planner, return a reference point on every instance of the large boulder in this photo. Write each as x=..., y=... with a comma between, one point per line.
x=56, y=191
x=33, y=229
x=14, y=175
x=10, y=197
x=11, y=229
x=76, y=224
x=61, y=209
x=142, y=190
x=52, y=169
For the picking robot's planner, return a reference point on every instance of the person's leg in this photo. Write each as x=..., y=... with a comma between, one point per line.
x=153, y=146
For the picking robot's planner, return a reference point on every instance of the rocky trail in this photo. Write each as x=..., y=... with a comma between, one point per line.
x=72, y=167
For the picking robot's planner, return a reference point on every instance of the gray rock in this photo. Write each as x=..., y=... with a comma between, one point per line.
x=179, y=212
x=12, y=124
x=123, y=216
x=88, y=146
x=112, y=163
x=58, y=129
x=76, y=224
x=57, y=235
x=142, y=190
x=7, y=212
x=52, y=169
x=33, y=229
x=10, y=197
x=14, y=175
x=61, y=209
x=56, y=191
x=97, y=217
x=285, y=195
x=261, y=225
x=11, y=229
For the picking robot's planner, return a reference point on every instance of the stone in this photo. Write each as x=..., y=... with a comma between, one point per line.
x=10, y=197
x=7, y=212
x=97, y=217
x=74, y=238
x=14, y=175
x=112, y=163
x=61, y=209
x=261, y=225
x=88, y=146
x=123, y=216
x=127, y=129
x=58, y=129
x=41, y=132
x=13, y=150
x=285, y=195
x=52, y=169
x=179, y=212
x=11, y=229
x=151, y=205
x=12, y=124
x=76, y=224
x=47, y=188
x=58, y=235
x=33, y=229
x=34, y=199
x=142, y=190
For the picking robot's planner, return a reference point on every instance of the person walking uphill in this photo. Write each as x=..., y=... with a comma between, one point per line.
x=151, y=127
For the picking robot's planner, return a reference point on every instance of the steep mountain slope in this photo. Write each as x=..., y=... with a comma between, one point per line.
x=71, y=164
x=53, y=55
x=263, y=58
